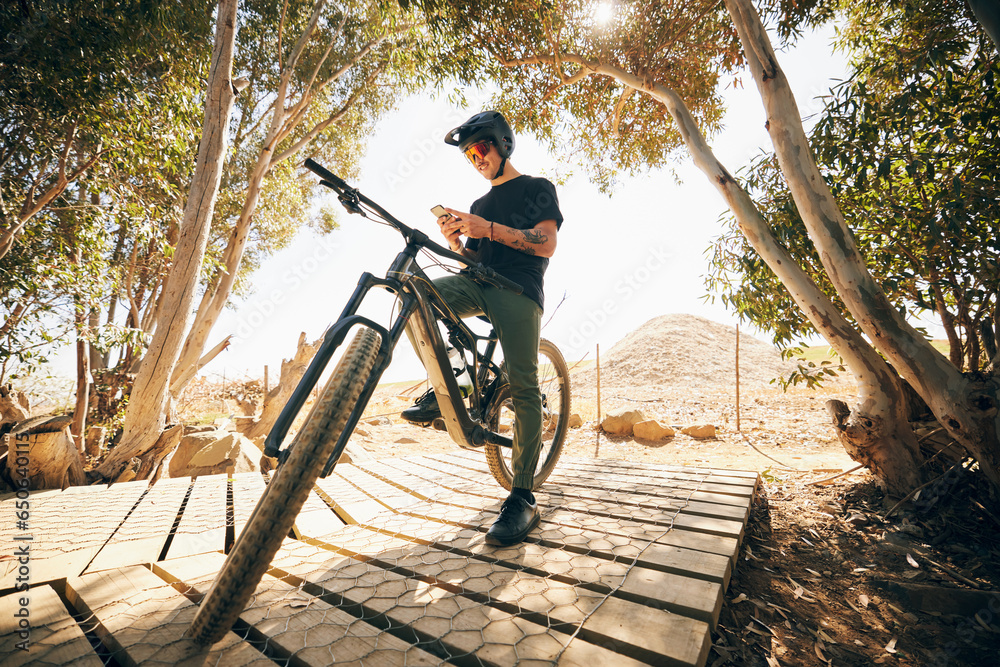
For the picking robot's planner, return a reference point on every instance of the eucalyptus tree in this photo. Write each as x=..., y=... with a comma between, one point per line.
x=313, y=79
x=907, y=146
x=75, y=77
x=144, y=418
x=319, y=76
x=606, y=85
x=95, y=102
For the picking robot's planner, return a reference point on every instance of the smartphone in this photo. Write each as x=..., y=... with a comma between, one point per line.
x=439, y=211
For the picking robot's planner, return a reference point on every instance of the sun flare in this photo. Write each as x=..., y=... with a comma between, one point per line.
x=604, y=12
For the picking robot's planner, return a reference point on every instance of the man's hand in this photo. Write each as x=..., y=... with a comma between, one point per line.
x=452, y=231
x=471, y=225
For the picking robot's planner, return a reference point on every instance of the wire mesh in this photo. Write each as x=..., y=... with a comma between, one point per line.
x=387, y=563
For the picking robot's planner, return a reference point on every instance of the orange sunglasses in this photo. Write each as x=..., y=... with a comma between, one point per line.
x=480, y=150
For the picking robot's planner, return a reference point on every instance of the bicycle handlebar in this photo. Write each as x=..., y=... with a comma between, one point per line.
x=338, y=183
x=351, y=196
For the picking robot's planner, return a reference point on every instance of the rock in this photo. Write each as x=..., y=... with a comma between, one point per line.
x=575, y=421
x=213, y=452
x=621, y=421
x=858, y=519
x=379, y=421
x=652, y=430
x=361, y=433
x=354, y=453
x=700, y=431
x=406, y=441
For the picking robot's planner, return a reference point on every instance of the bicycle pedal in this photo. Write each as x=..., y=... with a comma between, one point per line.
x=439, y=425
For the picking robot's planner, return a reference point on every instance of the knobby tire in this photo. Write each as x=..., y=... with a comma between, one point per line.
x=284, y=496
x=555, y=378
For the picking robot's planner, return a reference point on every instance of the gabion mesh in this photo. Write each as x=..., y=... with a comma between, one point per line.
x=387, y=564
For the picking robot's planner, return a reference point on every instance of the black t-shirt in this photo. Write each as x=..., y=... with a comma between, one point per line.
x=520, y=203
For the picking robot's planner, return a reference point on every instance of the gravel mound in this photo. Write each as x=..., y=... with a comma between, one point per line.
x=686, y=350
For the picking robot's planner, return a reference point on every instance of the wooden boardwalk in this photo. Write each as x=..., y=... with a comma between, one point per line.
x=386, y=565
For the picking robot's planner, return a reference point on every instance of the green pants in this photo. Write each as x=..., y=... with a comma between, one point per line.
x=517, y=320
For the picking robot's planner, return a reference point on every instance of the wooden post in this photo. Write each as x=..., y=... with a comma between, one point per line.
x=597, y=445
x=737, y=377
x=266, y=388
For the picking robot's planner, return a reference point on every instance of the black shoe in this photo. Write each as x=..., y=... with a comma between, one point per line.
x=517, y=518
x=424, y=409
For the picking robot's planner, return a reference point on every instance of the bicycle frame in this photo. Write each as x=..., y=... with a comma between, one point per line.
x=418, y=302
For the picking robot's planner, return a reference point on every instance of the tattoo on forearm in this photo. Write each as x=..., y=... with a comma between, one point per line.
x=527, y=241
x=534, y=236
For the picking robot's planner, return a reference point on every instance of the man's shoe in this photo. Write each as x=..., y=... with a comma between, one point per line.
x=424, y=409
x=517, y=518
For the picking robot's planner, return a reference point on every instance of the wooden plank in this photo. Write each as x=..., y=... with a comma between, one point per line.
x=315, y=518
x=678, y=489
x=202, y=527
x=379, y=494
x=141, y=537
x=53, y=638
x=558, y=519
x=247, y=490
x=141, y=619
x=616, y=508
x=425, y=600
x=572, y=470
x=631, y=494
x=561, y=542
x=645, y=470
x=67, y=529
x=418, y=539
x=300, y=625
x=642, y=472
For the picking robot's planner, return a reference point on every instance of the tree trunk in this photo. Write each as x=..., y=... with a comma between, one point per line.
x=14, y=405
x=880, y=415
x=292, y=371
x=183, y=375
x=967, y=409
x=287, y=116
x=48, y=460
x=83, y=383
x=144, y=417
x=83, y=378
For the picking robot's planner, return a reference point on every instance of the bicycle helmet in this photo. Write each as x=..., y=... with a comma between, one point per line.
x=485, y=125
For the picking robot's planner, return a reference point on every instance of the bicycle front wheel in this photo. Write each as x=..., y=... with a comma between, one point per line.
x=553, y=381
x=277, y=508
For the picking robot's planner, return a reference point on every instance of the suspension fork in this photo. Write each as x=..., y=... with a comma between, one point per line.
x=332, y=339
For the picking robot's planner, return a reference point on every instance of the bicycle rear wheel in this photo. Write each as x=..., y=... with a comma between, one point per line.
x=277, y=508
x=553, y=380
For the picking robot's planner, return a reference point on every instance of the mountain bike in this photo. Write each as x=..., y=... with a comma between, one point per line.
x=479, y=421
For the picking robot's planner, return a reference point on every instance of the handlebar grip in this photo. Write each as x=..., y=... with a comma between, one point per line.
x=326, y=174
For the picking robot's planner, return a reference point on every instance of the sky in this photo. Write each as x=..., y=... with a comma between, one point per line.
x=621, y=260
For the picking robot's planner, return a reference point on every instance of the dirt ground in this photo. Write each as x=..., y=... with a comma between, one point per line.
x=824, y=576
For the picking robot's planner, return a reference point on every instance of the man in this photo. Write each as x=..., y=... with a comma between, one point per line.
x=511, y=229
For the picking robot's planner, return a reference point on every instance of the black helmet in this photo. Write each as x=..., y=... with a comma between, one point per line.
x=485, y=125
